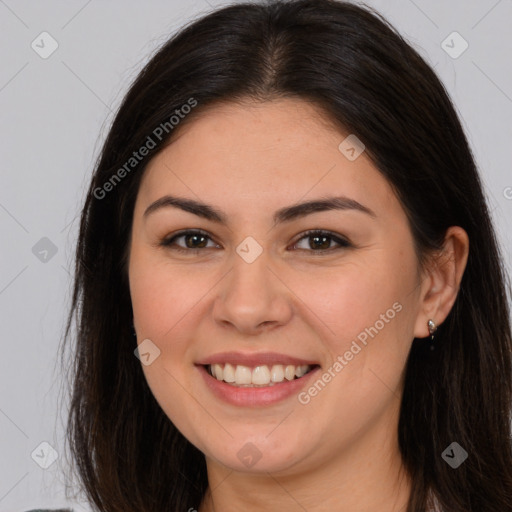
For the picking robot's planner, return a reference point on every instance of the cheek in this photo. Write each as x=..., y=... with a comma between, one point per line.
x=167, y=301
x=163, y=299
x=368, y=342
x=354, y=297
x=162, y=294
x=368, y=307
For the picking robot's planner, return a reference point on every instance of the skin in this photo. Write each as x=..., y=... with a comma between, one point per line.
x=249, y=160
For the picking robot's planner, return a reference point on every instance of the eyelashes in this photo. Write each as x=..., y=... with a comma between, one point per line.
x=170, y=241
x=319, y=239
x=320, y=236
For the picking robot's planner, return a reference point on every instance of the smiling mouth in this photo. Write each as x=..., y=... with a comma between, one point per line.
x=258, y=376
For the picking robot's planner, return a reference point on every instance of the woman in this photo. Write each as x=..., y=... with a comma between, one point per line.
x=288, y=293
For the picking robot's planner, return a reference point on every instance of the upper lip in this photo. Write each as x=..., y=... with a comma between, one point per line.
x=254, y=359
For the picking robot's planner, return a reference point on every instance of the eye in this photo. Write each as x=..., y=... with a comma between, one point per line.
x=321, y=240
x=194, y=241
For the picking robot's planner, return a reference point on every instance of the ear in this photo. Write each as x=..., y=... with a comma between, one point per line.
x=441, y=282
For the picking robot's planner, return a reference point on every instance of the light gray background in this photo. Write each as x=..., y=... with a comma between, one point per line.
x=54, y=115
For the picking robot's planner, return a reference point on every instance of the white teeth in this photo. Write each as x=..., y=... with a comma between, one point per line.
x=301, y=370
x=277, y=373
x=218, y=371
x=289, y=372
x=261, y=375
x=229, y=373
x=243, y=375
x=240, y=375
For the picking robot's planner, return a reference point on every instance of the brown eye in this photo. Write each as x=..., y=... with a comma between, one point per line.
x=320, y=241
x=193, y=240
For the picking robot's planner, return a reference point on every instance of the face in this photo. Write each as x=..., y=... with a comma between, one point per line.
x=241, y=286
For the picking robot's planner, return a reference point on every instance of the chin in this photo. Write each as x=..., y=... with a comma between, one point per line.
x=256, y=454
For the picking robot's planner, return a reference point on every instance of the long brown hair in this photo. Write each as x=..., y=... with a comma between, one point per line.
x=353, y=65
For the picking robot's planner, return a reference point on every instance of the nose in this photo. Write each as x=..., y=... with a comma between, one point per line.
x=252, y=298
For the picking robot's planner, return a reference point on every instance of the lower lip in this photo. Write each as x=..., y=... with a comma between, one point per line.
x=261, y=396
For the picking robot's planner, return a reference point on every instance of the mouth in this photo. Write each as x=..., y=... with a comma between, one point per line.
x=268, y=385
x=259, y=376
x=256, y=379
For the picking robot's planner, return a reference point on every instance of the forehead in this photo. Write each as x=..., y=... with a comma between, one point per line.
x=263, y=154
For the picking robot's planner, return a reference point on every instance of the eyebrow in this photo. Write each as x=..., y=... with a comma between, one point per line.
x=286, y=214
